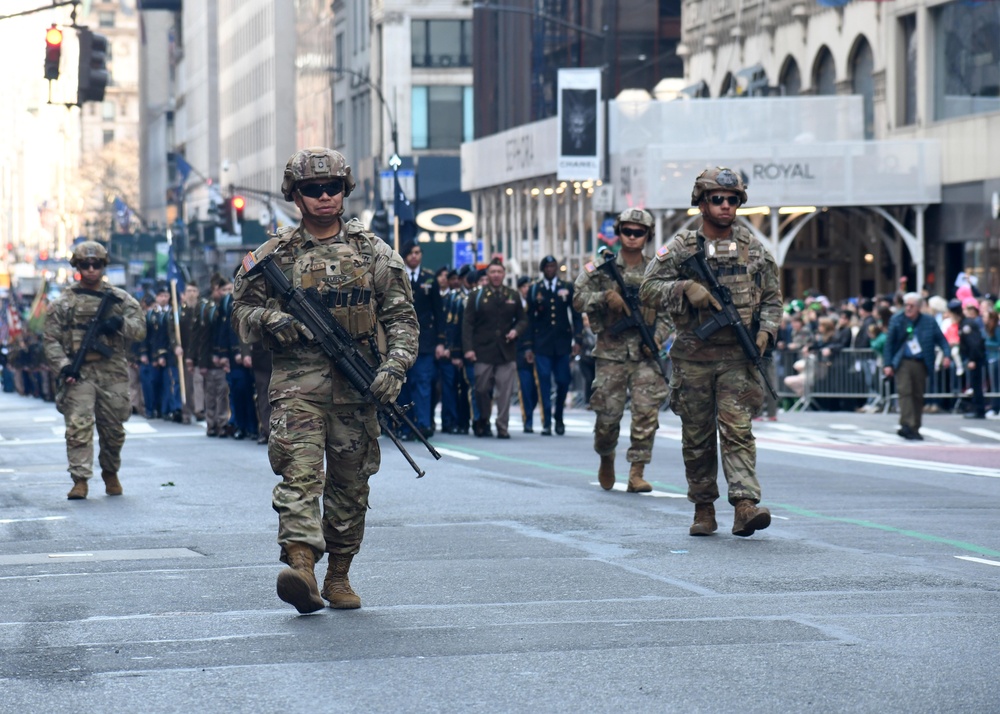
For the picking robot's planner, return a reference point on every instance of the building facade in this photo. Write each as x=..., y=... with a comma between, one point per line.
x=925, y=71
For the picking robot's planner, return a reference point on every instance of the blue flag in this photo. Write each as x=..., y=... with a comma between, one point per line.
x=174, y=271
x=183, y=170
x=404, y=212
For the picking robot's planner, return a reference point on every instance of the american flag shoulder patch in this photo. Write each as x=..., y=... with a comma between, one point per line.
x=661, y=254
x=590, y=267
x=248, y=262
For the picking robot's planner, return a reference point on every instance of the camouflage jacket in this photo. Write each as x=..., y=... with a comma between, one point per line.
x=742, y=264
x=364, y=284
x=590, y=287
x=67, y=322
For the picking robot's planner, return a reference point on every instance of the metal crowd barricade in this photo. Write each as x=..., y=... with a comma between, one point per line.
x=851, y=374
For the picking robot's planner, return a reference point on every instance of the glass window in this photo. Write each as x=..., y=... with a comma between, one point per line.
x=791, y=79
x=339, y=111
x=966, y=59
x=442, y=117
x=908, y=26
x=825, y=76
x=108, y=110
x=339, y=50
x=441, y=43
x=106, y=18
x=109, y=136
x=862, y=66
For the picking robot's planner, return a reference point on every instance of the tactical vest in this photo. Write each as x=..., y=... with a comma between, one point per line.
x=731, y=261
x=80, y=315
x=343, y=274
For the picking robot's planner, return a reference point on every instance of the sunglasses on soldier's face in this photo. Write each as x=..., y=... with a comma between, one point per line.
x=719, y=200
x=316, y=190
x=90, y=265
x=633, y=232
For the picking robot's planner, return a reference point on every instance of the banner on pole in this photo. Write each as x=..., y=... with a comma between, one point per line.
x=580, y=125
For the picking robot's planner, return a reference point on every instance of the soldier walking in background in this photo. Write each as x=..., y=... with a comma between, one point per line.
x=466, y=407
x=99, y=393
x=624, y=367
x=554, y=333
x=525, y=370
x=493, y=320
x=212, y=369
x=190, y=328
x=715, y=388
x=317, y=413
x=427, y=304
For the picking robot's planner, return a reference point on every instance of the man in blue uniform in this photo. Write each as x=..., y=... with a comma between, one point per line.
x=554, y=330
x=428, y=305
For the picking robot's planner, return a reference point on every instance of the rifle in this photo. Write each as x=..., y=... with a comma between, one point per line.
x=727, y=317
x=634, y=318
x=90, y=343
x=337, y=343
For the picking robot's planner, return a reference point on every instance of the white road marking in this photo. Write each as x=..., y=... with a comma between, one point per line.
x=138, y=427
x=653, y=494
x=978, y=560
x=943, y=436
x=44, y=420
x=26, y=520
x=456, y=454
x=980, y=431
x=59, y=430
x=843, y=427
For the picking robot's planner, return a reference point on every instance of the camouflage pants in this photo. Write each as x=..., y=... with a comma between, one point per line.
x=613, y=381
x=718, y=396
x=100, y=398
x=302, y=433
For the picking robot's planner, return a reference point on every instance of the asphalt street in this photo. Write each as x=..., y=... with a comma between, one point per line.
x=507, y=580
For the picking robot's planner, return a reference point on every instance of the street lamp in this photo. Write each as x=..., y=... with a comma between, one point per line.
x=394, y=161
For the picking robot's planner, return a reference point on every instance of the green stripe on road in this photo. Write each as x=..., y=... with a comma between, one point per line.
x=961, y=545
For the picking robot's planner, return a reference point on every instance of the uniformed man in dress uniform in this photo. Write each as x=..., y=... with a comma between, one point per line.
x=554, y=330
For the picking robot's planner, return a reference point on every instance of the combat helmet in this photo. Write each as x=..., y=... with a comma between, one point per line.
x=88, y=249
x=636, y=215
x=316, y=163
x=718, y=179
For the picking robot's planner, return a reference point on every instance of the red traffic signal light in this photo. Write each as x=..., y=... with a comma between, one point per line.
x=53, y=51
x=239, y=203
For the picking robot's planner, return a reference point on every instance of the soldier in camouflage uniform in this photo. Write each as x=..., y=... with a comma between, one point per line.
x=316, y=412
x=624, y=366
x=715, y=388
x=101, y=393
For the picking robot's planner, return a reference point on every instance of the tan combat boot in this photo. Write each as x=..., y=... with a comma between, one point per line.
x=606, y=473
x=112, y=486
x=636, y=483
x=750, y=518
x=336, y=587
x=704, y=520
x=297, y=583
x=79, y=490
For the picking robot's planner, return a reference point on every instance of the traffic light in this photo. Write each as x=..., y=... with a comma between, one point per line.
x=53, y=51
x=93, y=67
x=239, y=203
x=226, y=209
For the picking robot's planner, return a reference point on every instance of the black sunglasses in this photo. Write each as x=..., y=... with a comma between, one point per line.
x=316, y=190
x=90, y=265
x=719, y=200
x=633, y=232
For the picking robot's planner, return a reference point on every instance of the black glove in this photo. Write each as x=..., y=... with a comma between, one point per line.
x=66, y=372
x=111, y=325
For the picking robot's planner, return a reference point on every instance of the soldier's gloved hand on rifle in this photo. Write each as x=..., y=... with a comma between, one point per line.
x=699, y=296
x=111, y=325
x=64, y=373
x=388, y=381
x=762, y=340
x=616, y=303
x=648, y=352
x=281, y=325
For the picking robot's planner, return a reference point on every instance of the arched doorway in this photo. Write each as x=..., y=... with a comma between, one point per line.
x=790, y=79
x=824, y=77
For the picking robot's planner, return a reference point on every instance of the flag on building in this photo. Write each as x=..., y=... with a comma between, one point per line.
x=123, y=215
x=404, y=214
x=183, y=171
